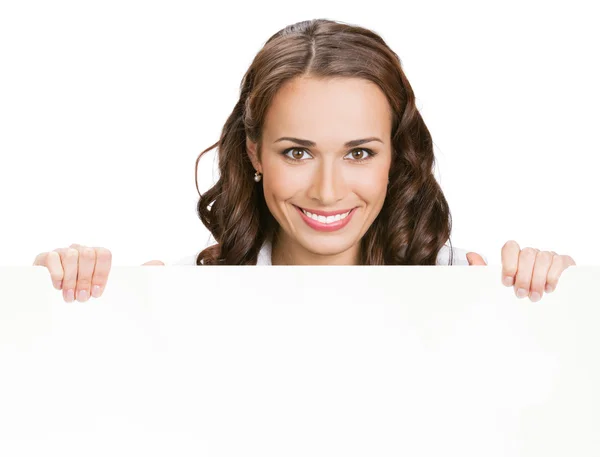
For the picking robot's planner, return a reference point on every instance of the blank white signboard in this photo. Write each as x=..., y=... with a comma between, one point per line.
x=297, y=361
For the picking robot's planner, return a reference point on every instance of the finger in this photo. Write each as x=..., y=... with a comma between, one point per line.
x=510, y=262
x=475, y=259
x=101, y=272
x=40, y=259
x=153, y=262
x=559, y=264
x=51, y=260
x=525, y=271
x=62, y=253
x=543, y=260
x=87, y=262
x=70, y=262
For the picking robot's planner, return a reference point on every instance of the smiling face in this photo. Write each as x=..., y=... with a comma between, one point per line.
x=311, y=160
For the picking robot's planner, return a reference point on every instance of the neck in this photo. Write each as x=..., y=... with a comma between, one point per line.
x=286, y=251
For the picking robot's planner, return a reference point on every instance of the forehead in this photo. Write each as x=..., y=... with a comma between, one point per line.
x=328, y=109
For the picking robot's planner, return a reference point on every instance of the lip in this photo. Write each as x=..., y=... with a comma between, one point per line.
x=322, y=227
x=326, y=213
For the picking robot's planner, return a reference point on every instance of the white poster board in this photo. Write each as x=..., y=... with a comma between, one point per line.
x=296, y=361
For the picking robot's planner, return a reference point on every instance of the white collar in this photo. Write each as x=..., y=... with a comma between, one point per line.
x=460, y=257
x=264, y=255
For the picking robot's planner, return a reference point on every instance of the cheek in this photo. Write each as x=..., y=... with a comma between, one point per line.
x=371, y=185
x=282, y=183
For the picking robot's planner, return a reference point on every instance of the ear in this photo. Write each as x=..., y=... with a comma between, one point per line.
x=252, y=153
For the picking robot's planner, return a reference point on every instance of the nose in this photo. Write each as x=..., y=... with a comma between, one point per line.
x=328, y=184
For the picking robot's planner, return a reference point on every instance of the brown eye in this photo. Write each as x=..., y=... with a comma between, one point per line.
x=361, y=154
x=296, y=154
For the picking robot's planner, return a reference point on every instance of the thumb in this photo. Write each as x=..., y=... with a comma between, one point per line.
x=475, y=259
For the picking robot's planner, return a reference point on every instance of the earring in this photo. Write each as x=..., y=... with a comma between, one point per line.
x=257, y=176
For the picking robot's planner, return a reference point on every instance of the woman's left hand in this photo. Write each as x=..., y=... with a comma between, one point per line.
x=530, y=270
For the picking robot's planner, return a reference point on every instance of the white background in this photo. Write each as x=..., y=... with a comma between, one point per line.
x=104, y=107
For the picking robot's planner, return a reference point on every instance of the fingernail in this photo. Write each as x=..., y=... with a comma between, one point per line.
x=549, y=288
x=82, y=296
x=70, y=295
x=521, y=293
x=535, y=296
x=96, y=291
x=507, y=281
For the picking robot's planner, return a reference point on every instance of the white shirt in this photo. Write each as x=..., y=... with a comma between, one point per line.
x=264, y=256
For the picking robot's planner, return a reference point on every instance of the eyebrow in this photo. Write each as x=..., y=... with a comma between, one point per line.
x=308, y=143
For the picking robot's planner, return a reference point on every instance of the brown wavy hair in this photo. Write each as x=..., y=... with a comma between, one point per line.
x=414, y=222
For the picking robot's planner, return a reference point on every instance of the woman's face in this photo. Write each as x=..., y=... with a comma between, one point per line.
x=324, y=169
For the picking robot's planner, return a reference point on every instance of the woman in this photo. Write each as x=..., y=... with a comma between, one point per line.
x=325, y=160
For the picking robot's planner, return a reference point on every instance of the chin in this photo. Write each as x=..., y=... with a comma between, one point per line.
x=327, y=245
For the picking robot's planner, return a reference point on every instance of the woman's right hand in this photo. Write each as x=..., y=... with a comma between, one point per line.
x=78, y=270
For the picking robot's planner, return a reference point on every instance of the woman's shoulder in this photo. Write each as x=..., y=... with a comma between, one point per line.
x=264, y=257
x=187, y=260
x=459, y=256
x=443, y=257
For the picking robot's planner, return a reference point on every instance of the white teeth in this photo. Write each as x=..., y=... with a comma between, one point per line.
x=328, y=219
